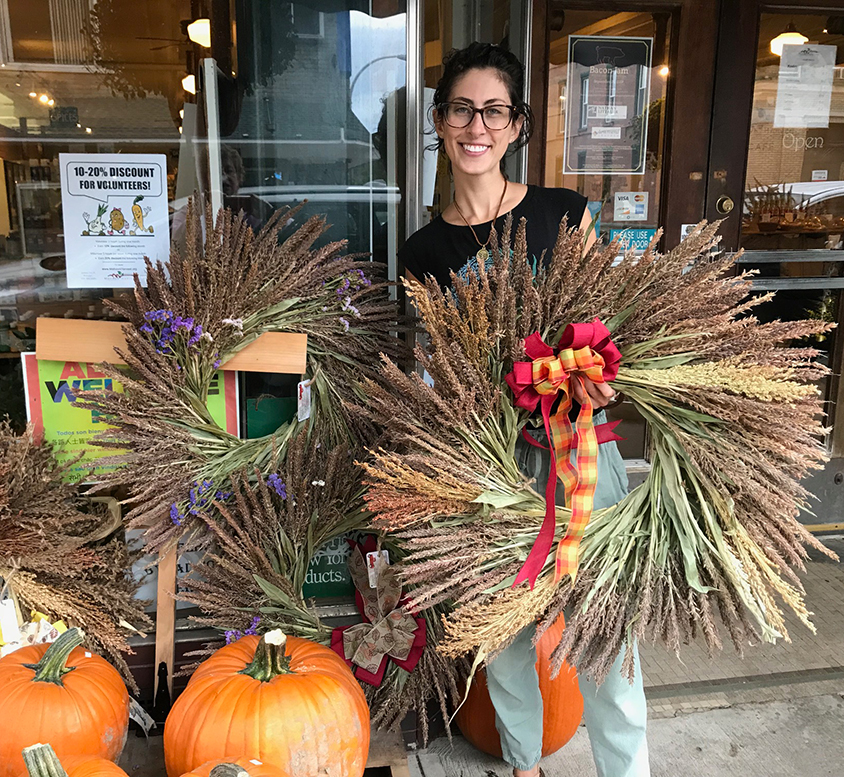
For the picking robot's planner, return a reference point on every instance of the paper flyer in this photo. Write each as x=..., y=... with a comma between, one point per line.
x=115, y=213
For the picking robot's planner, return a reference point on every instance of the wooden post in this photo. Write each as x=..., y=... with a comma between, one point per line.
x=165, y=614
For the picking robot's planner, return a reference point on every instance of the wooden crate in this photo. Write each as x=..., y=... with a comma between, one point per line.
x=387, y=750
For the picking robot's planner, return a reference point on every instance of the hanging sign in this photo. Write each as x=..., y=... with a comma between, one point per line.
x=804, y=86
x=51, y=408
x=607, y=99
x=115, y=214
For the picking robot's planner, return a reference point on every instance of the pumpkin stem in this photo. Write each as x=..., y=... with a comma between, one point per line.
x=270, y=658
x=42, y=761
x=228, y=770
x=53, y=664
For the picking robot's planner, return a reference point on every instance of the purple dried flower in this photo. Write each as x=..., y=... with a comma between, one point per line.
x=274, y=482
x=232, y=636
x=175, y=515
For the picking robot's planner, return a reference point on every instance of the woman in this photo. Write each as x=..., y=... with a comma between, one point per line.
x=479, y=114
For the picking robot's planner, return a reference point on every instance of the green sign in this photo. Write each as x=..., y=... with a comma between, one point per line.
x=328, y=573
x=51, y=408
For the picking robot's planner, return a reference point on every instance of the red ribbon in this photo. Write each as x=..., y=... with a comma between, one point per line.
x=584, y=351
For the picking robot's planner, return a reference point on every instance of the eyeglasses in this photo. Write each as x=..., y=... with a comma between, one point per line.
x=494, y=117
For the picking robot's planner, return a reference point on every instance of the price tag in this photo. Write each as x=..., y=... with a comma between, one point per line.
x=303, y=394
x=140, y=716
x=375, y=562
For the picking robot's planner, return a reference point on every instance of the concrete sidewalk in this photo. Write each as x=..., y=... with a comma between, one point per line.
x=800, y=738
x=810, y=665
x=778, y=711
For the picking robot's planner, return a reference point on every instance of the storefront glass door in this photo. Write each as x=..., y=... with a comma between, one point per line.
x=87, y=78
x=605, y=131
x=792, y=213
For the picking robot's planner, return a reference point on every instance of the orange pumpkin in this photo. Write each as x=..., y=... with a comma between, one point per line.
x=236, y=767
x=92, y=767
x=41, y=761
x=289, y=702
x=561, y=701
x=63, y=695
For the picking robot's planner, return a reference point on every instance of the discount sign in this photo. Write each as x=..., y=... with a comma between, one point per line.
x=115, y=214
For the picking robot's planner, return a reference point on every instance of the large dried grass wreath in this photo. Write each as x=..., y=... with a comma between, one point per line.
x=196, y=311
x=734, y=421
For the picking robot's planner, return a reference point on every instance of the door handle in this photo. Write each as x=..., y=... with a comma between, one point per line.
x=724, y=205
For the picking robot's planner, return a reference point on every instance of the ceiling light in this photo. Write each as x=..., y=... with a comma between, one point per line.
x=32, y=94
x=43, y=98
x=663, y=71
x=182, y=113
x=51, y=102
x=88, y=130
x=180, y=130
x=189, y=83
x=788, y=37
x=199, y=32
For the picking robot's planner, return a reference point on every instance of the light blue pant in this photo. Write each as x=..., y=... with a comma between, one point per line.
x=615, y=711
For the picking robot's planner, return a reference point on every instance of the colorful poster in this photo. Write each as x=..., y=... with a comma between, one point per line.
x=608, y=87
x=50, y=407
x=114, y=213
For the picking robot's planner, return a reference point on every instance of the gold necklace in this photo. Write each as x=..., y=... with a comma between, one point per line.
x=483, y=253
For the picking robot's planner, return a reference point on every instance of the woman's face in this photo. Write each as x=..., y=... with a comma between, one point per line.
x=474, y=149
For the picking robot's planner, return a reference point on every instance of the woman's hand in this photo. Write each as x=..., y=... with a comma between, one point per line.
x=601, y=394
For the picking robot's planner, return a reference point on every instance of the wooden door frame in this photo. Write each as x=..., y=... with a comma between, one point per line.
x=691, y=59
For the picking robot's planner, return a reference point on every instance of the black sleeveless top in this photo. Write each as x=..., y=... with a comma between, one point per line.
x=440, y=247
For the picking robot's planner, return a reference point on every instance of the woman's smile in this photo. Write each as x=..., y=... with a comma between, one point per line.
x=475, y=149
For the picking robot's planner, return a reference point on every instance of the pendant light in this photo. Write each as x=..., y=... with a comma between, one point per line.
x=199, y=31
x=788, y=37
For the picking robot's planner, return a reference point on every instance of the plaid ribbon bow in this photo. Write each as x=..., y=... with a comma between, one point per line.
x=584, y=351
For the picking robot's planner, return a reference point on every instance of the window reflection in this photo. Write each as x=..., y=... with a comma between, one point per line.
x=794, y=191
x=307, y=104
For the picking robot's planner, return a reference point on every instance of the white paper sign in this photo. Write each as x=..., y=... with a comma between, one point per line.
x=375, y=563
x=820, y=175
x=115, y=213
x=606, y=133
x=631, y=206
x=804, y=86
x=686, y=230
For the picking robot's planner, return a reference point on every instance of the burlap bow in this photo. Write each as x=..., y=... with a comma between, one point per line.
x=390, y=631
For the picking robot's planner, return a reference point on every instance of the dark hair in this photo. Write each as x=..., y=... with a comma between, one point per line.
x=487, y=56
